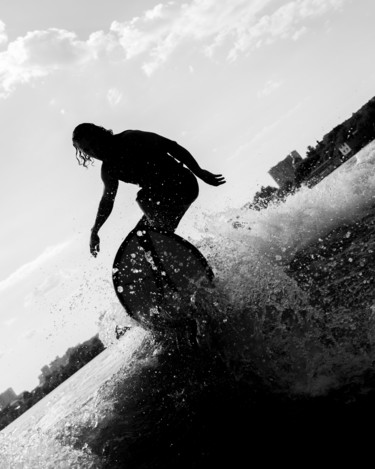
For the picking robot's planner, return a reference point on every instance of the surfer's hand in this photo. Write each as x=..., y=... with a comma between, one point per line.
x=209, y=178
x=94, y=243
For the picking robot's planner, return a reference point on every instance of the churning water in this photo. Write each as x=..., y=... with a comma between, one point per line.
x=288, y=327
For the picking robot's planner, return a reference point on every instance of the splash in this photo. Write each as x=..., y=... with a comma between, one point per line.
x=296, y=334
x=291, y=314
x=33, y=449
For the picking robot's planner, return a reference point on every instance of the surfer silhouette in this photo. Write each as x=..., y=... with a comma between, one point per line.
x=165, y=171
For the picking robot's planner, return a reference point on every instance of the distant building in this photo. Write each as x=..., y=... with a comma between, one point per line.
x=345, y=149
x=321, y=170
x=7, y=397
x=284, y=173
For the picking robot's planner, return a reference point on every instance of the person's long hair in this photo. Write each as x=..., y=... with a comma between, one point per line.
x=88, y=131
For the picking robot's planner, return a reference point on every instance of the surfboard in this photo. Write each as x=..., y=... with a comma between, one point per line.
x=155, y=276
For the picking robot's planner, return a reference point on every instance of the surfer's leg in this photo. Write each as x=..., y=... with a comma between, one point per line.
x=164, y=206
x=160, y=216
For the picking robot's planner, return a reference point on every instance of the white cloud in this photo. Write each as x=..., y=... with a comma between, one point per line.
x=235, y=26
x=150, y=67
x=49, y=284
x=132, y=40
x=285, y=22
x=3, y=35
x=4, y=353
x=156, y=12
x=269, y=88
x=39, y=53
x=299, y=33
x=29, y=334
x=114, y=96
x=9, y=322
x=200, y=21
x=27, y=269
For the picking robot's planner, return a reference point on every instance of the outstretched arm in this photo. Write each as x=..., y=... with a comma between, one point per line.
x=182, y=155
x=104, y=210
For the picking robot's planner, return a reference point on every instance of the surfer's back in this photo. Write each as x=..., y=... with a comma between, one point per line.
x=142, y=158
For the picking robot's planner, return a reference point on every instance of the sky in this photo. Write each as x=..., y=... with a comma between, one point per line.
x=239, y=83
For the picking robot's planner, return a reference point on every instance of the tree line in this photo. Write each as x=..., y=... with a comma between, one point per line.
x=76, y=358
x=357, y=132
